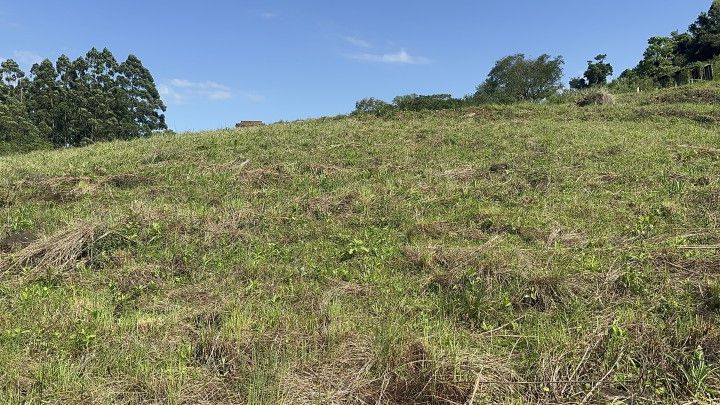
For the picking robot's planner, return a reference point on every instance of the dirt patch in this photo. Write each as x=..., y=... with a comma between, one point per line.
x=126, y=181
x=492, y=227
x=678, y=262
x=16, y=241
x=499, y=168
x=321, y=207
x=539, y=181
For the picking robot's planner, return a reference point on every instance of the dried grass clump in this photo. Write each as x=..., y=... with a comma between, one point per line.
x=414, y=376
x=326, y=169
x=264, y=177
x=688, y=95
x=59, y=251
x=448, y=257
x=461, y=173
x=596, y=97
x=223, y=357
x=62, y=189
x=341, y=378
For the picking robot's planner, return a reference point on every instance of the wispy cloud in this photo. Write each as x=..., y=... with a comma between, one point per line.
x=400, y=57
x=361, y=43
x=170, y=94
x=180, y=91
x=8, y=21
x=252, y=96
x=27, y=57
x=268, y=15
x=24, y=58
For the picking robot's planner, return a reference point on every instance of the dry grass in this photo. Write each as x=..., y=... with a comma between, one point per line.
x=58, y=252
x=596, y=97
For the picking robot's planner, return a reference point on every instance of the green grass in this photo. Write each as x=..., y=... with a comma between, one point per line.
x=528, y=253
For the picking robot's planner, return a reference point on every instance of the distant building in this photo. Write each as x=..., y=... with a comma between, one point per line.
x=246, y=124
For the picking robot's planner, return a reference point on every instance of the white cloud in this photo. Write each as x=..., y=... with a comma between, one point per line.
x=268, y=15
x=25, y=58
x=358, y=42
x=181, y=90
x=253, y=97
x=170, y=94
x=401, y=57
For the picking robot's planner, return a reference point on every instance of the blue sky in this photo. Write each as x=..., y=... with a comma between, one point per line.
x=218, y=62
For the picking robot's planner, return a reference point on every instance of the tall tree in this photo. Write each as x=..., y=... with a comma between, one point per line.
x=661, y=60
x=14, y=78
x=145, y=108
x=516, y=78
x=705, y=32
x=596, y=74
x=43, y=97
x=598, y=71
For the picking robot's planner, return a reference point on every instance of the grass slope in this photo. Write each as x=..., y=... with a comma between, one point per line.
x=530, y=253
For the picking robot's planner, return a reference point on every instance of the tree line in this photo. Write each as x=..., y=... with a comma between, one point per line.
x=667, y=61
x=75, y=102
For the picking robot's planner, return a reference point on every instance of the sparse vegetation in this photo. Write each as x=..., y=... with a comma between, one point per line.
x=539, y=253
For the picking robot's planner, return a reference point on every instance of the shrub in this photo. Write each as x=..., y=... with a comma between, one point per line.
x=373, y=106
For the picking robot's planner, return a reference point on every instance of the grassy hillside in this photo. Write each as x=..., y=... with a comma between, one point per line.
x=528, y=253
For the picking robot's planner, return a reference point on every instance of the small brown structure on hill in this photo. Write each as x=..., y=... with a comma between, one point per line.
x=246, y=124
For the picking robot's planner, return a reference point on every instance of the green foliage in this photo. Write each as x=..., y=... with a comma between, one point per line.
x=630, y=81
x=578, y=83
x=70, y=103
x=668, y=61
x=373, y=106
x=596, y=74
x=409, y=102
x=414, y=102
x=705, y=31
x=17, y=131
x=662, y=61
x=516, y=78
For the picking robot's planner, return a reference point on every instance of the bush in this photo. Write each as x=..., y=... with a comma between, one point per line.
x=373, y=106
x=414, y=102
x=595, y=97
